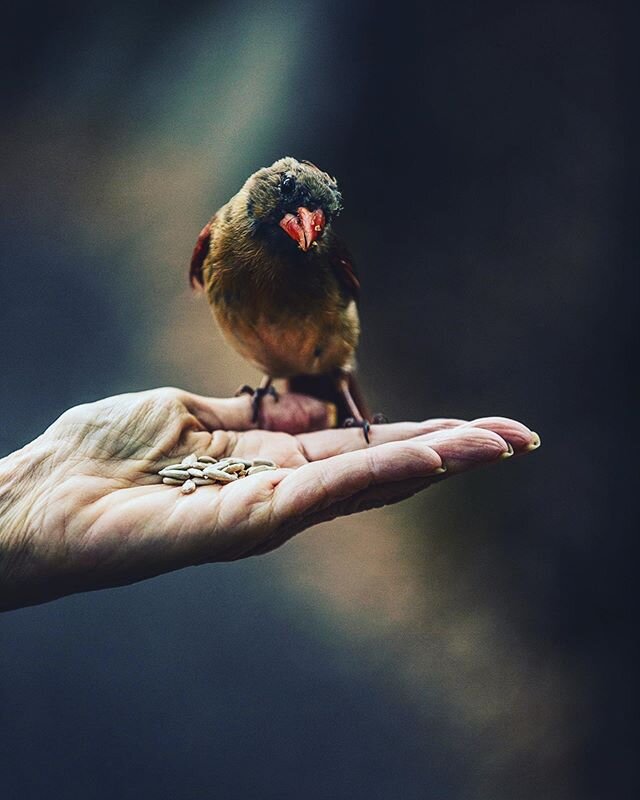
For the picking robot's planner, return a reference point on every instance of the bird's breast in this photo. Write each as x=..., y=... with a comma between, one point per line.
x=292, y=345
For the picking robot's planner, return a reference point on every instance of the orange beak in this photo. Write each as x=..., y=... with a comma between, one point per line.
x=304, y=227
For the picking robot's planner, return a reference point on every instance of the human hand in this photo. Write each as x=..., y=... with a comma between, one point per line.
x=82, y=507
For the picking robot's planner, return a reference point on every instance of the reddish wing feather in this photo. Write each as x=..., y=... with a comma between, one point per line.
x=345, y=271
x=200, y=252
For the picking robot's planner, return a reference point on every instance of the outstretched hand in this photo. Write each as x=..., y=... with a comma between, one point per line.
x=82, y=507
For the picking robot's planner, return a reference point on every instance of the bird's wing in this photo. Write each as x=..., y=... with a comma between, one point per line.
x=200, y=252
x=342, y=265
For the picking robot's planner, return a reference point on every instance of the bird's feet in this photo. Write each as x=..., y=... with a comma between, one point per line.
x=352, y=422
x=256, y=397
x=377, y=419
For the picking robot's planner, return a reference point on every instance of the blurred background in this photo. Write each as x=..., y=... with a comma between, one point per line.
x=470, y=643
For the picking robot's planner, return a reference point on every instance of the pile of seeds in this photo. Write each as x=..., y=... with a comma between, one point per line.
x=194, y=471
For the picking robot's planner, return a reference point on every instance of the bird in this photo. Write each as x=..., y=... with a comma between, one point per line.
x=283, y=287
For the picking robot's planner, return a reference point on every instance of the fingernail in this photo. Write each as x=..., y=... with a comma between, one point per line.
x=332, y=415
x=439, y=470
x=508, y=453
x=535, y=442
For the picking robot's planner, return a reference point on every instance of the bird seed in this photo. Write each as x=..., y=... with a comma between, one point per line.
x=194, y=471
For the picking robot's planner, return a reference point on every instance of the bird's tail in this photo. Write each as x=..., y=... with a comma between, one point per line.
x=326, y=388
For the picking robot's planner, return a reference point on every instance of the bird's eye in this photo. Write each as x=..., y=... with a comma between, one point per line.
x=287, y=184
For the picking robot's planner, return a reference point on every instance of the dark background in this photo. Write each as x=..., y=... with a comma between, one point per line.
x=471, y=643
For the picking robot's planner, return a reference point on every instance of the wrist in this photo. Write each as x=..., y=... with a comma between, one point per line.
x=20, y=475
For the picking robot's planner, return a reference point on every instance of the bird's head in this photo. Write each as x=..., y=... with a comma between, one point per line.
x=292, y=203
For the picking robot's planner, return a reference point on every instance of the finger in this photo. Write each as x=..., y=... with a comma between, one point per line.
x=466, y=447
x=291, y=413
x=374, y=497
x=521, y=438
x=323, y=444
x=322, y=483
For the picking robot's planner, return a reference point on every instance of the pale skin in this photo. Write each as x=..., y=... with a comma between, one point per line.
x=82, y=507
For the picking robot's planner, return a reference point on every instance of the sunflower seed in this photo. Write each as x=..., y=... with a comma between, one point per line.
x=174, y=473
x=259, y=468
x=223, y=463
x=234, y=468
x=194, y=470
x=219, y=475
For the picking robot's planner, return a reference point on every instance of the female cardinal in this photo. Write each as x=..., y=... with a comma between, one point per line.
x=282, y=286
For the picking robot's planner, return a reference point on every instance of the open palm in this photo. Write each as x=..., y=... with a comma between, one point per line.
x=93, y=512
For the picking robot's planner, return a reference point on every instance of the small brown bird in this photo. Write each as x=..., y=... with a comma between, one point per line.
x=282, y=286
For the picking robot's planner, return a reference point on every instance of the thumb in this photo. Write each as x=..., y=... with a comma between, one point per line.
x=291, y=413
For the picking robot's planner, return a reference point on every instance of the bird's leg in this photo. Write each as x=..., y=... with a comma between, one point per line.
x=356, y=420
x=257, y=394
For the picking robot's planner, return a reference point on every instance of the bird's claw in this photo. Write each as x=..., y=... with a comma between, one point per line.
x=256, y=397
x=352, y=422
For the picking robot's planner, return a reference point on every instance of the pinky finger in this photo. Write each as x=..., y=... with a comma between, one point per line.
x=365, y=500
